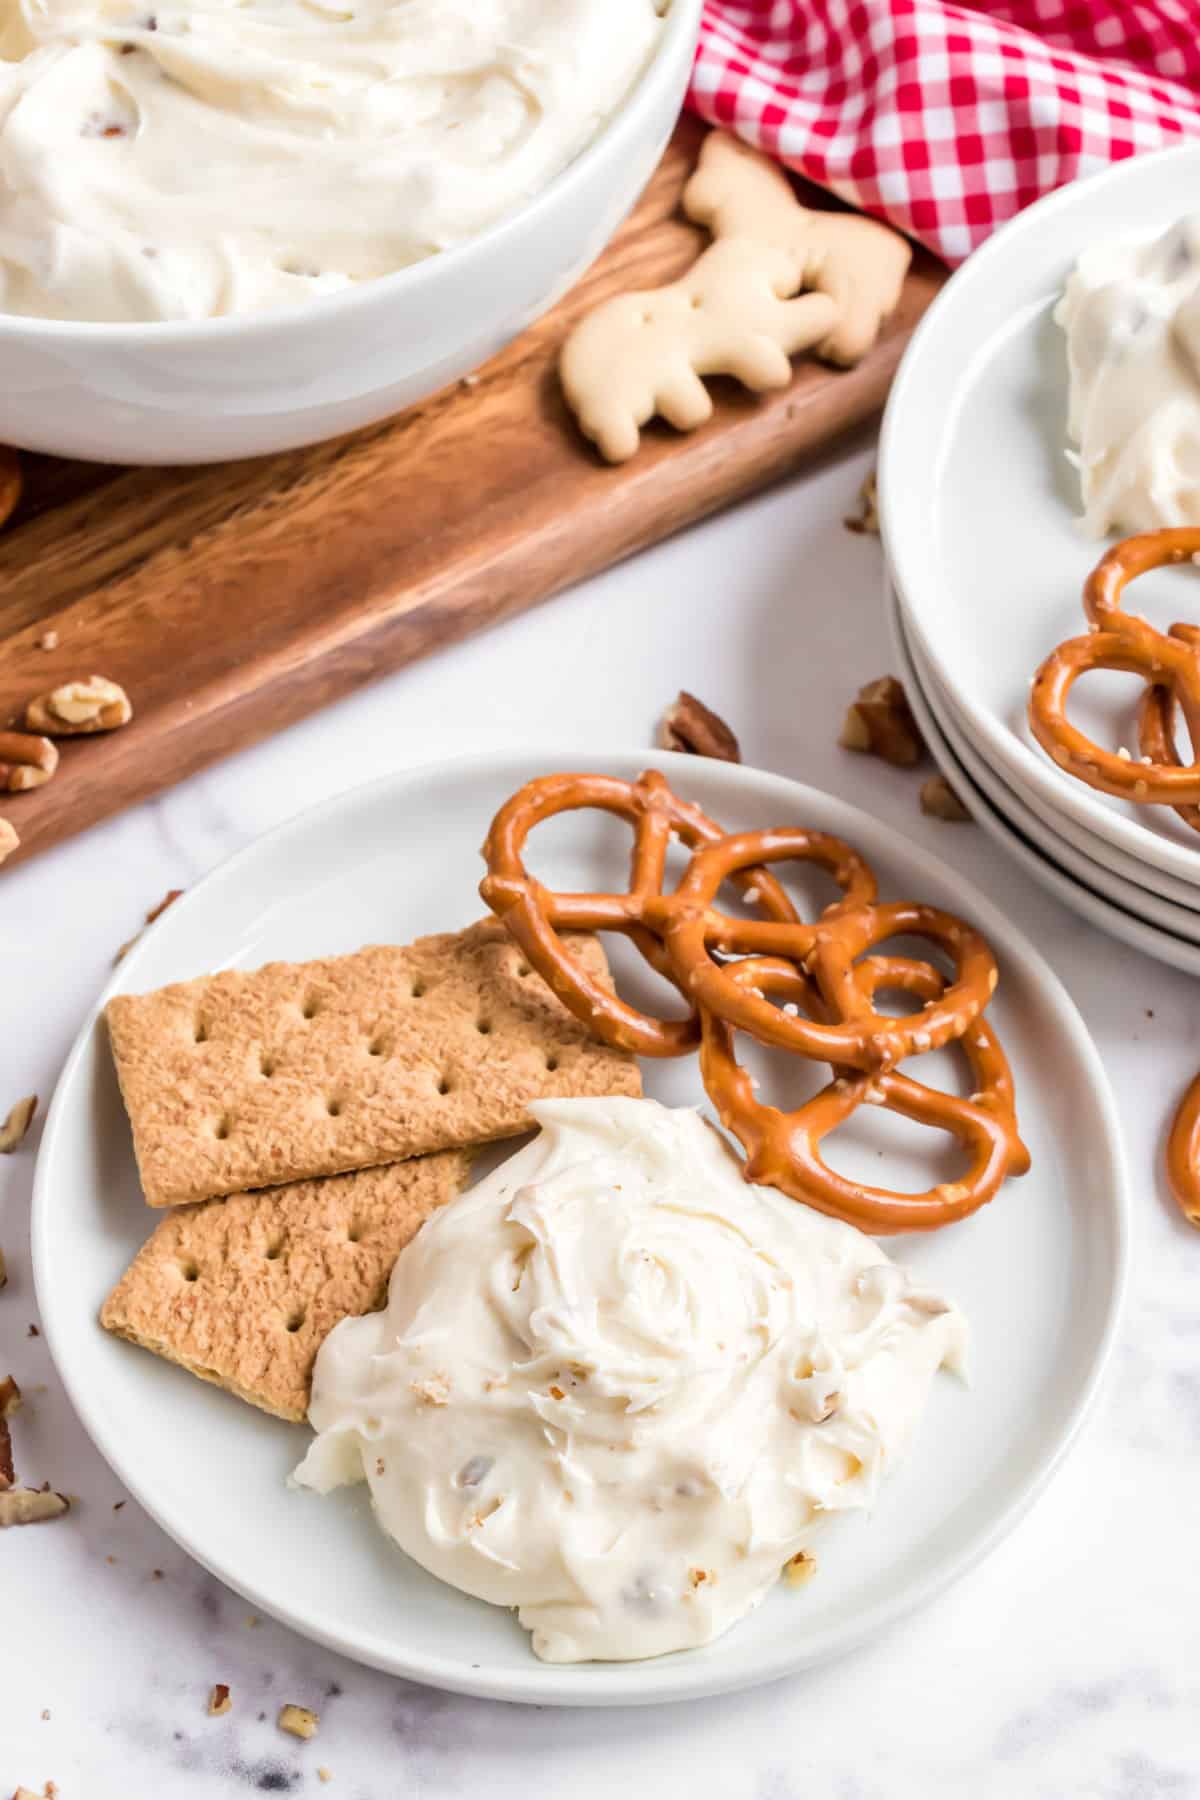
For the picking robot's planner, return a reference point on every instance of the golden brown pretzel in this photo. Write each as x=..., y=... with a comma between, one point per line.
x=851, y=1032
x=783, y=1150
x=1183, y=1154
x=535, y=916
x=1168, y=662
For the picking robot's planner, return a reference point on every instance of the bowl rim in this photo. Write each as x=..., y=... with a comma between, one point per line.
x=681, y=24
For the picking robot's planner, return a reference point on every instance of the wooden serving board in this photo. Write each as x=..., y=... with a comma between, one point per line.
x=233, y=599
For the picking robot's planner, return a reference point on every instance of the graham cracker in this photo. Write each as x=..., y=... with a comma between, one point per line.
x=245, y=1080
x=242, y=1292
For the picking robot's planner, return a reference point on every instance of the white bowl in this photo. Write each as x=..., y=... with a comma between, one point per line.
x=207, y=390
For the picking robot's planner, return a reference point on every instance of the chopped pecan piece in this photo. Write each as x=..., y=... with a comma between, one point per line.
x=799, y=1568
x=299, y=1720
x=940, y=801
x=866, y=519
x=14, y=1128
x=20, y=1118
x=879, y=722
x=29, y=1506
x=79, y=707
x=219, y=1701
x=691, y=726
x=156, y=912
x=26, y=761
x=8, y=840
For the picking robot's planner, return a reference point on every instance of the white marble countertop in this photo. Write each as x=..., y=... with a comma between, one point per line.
x=1068, y=1664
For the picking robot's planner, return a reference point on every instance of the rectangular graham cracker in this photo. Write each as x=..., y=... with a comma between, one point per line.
x=242, y=1292
x=245, y=1080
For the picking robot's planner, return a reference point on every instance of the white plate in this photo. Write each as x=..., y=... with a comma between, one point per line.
x=1059, y=829
x=1152, y=909
x=978, y=502
x=1040, y=1272
x=1164, y=946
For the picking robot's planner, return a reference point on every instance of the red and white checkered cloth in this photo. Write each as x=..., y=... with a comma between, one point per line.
x=947, y=119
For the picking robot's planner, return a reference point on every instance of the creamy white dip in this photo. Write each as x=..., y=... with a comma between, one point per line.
x=618, y=1389
x=172, y=159
x=1131, y=313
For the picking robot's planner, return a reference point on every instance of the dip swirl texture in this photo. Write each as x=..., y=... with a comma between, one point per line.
x=183, y=159
x=618, y=1389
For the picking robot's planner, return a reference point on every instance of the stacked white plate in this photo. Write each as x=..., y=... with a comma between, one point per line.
x=987, y=561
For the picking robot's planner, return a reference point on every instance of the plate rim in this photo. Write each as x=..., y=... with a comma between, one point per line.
x=669, y=1678
x=1059, y=850
x=1137, y=933
x=899, y=521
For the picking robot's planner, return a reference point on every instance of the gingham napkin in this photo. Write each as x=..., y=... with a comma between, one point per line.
x=946, y=119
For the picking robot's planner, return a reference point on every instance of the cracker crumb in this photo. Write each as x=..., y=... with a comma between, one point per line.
x=323, y=1774
x=252, y=1619
x=47, y=641
x=45, y=1712
x=32, y=1331
x=299, y=1721
x=156, y=1574
x=219, y=1701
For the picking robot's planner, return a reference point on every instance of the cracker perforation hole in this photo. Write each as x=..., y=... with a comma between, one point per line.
x=417, y=990
x=333, y=1106
x=353, y=1232
x=309, y=1008
x=200, y=1032
x=295, y=1320
x=445, y=1085
x=483, y=1027
x=551, y=1065
x=377, y=1046
x=222, y=1128
x=266, y=1065
x=274, y=1250
x=189, y=1269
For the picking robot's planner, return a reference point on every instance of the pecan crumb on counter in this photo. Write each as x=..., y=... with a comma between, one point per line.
x=880, y=723
x=156, y=912
x=219, y=1701
x=30, y=1506
x=16, y=1125
x=939, y=801
x=866, y=519
x=299, y=1721
x=690, y=726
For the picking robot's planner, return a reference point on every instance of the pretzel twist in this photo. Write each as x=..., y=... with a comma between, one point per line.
x=534, y=915
x=827, y=970
x=783, y=1149
x=1169, y=664
x=852, y=1032
x=1183, y=1154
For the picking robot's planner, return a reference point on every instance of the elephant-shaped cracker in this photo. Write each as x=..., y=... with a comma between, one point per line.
x=735, y=312
x=860, y=264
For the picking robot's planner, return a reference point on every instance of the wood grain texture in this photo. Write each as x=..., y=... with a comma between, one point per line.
x=233, y=599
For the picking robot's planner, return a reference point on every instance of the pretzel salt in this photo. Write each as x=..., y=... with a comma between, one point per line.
x=535, y=916
x=783, y=1149
x=1168, y=662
